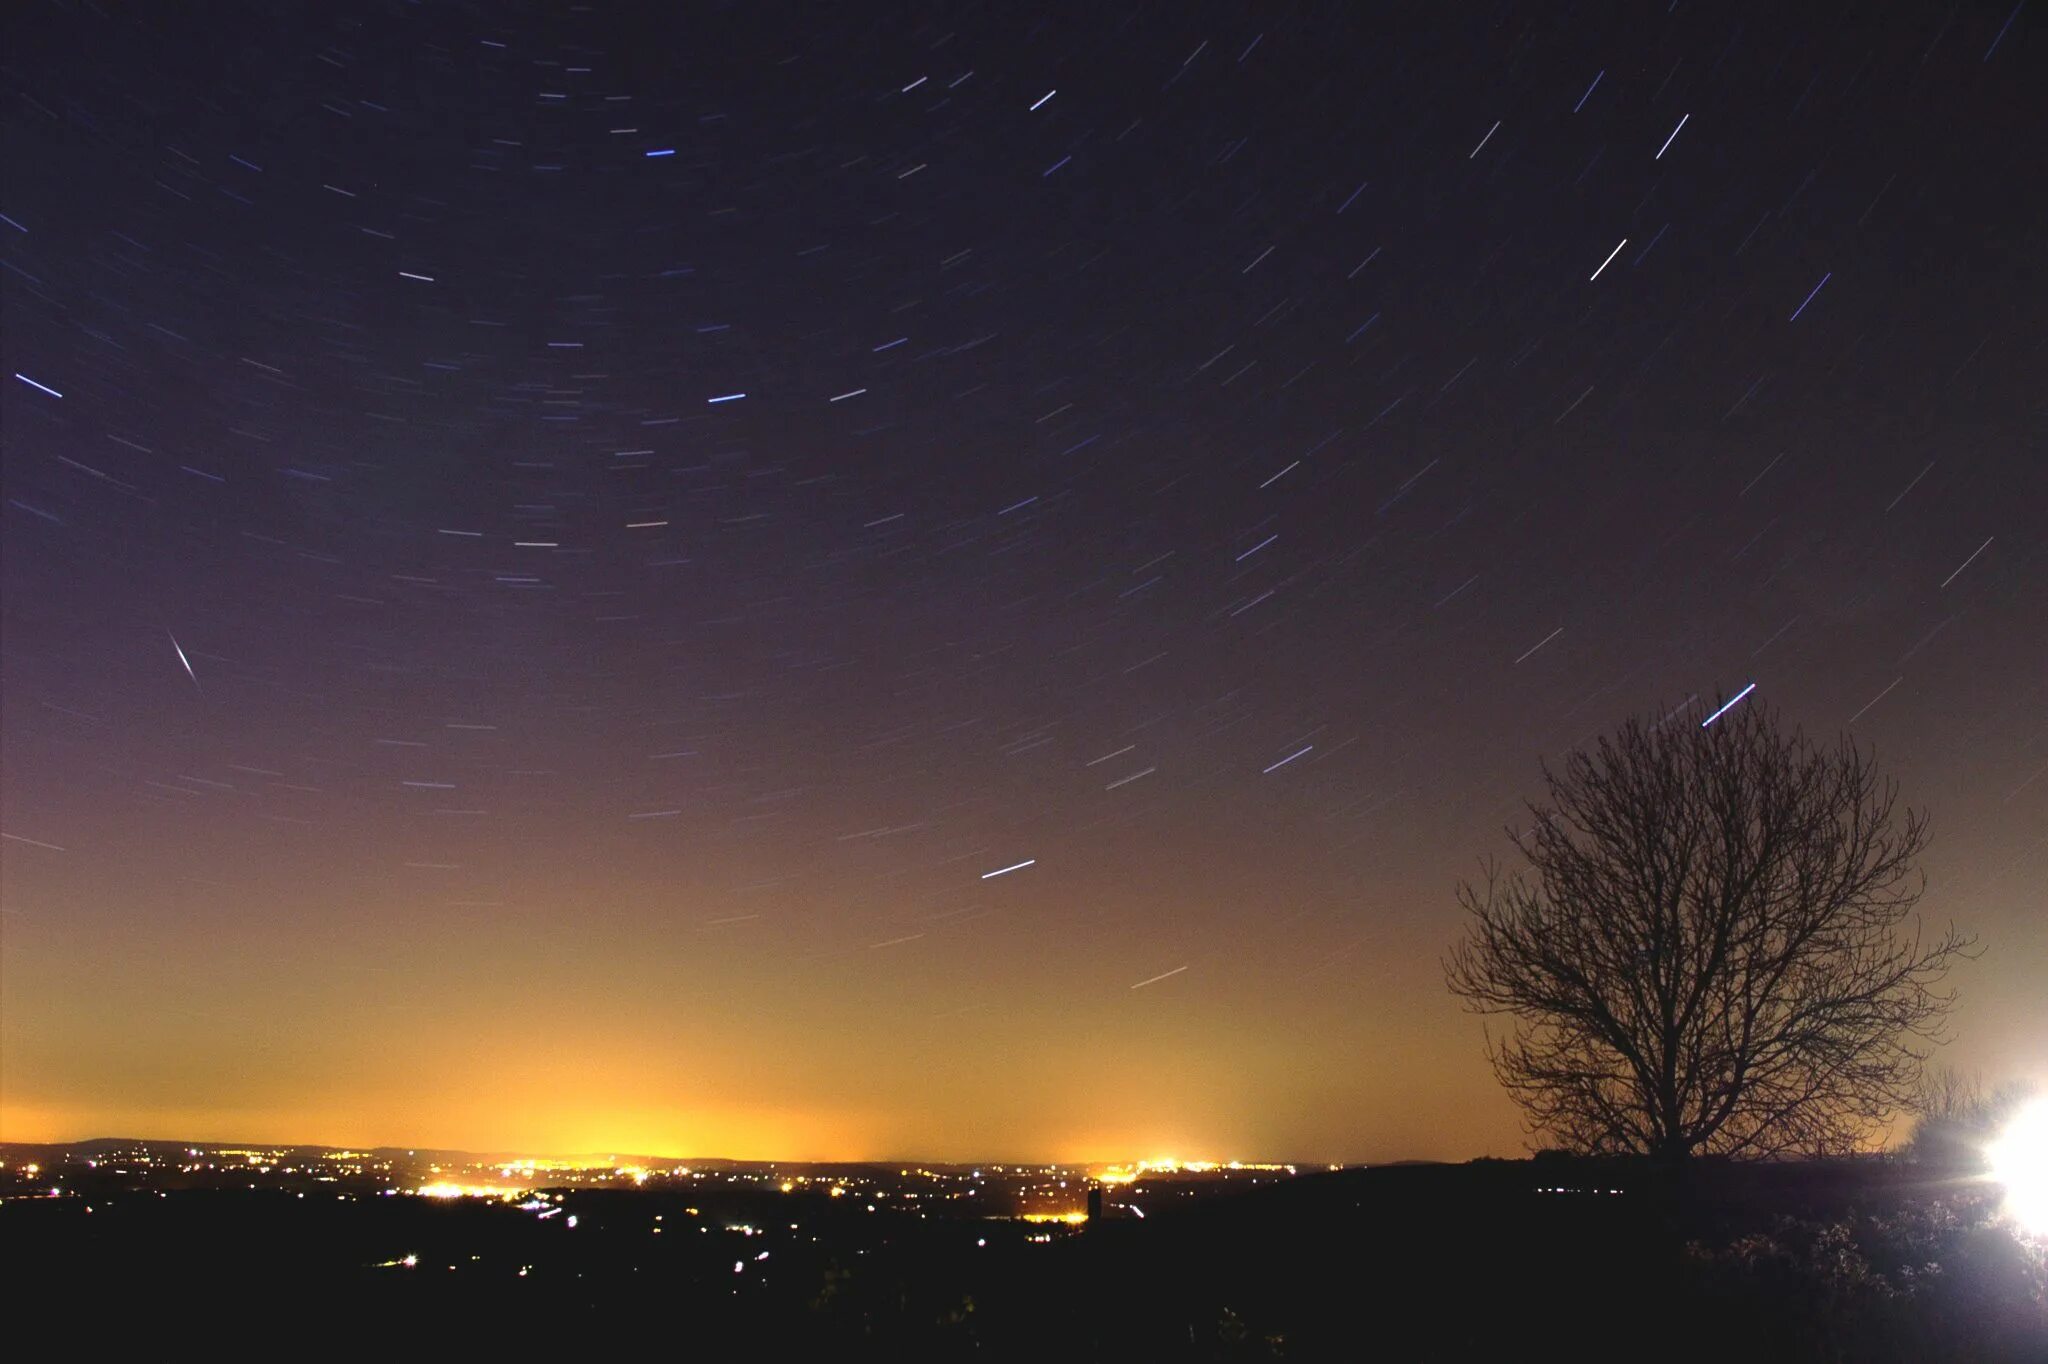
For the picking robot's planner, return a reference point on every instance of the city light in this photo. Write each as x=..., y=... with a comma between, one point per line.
x=449, y=1189
x=2019, y=1161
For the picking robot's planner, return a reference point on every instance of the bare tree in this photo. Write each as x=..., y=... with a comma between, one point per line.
x=1947, y=1094
x=1956, y=1118
x=1710, y=949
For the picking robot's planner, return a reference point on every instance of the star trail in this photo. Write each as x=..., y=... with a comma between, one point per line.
x=960, y=581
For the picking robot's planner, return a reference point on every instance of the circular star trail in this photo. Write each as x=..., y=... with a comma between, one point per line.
x=959, y=581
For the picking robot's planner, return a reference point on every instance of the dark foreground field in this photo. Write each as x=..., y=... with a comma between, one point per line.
x=1486, y=1261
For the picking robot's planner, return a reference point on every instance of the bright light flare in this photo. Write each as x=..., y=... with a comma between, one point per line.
x=450, y=1189
x=1733, y=701
x=2019, y=1161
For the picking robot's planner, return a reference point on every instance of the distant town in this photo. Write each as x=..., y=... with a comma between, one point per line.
x=1049, y=1195
x=241, y=1246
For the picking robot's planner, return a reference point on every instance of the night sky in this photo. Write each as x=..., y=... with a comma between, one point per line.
x=962, y=581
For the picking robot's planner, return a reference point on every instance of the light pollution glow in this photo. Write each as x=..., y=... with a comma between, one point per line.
x=158, y=1007
x=202, y=1019
x=1051, y=747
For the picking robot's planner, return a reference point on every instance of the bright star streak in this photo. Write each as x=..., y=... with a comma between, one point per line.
x=1730, y=706
x=1967, y=562
x=1163, y=975
x=182, y=659
x=1609, y=261
x=1539, y=643
x=1669, y=140
x=1005, y=871
x=1809, y=298
x=1589, y=91
x=1288, y=759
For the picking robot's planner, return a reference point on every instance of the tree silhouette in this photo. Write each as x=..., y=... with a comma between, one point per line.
x=1709, y=951
x=1957, y=1118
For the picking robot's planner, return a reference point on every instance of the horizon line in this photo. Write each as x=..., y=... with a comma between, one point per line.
x=616, y=1153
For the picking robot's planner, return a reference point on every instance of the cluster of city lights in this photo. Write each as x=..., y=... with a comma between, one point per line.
x=1167, y=1165
x=450, y=1189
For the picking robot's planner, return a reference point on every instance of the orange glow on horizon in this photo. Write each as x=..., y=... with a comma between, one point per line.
x=361, y=1019
x=743, y=660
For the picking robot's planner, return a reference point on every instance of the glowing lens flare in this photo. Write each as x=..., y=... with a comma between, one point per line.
x=2019, y=1161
